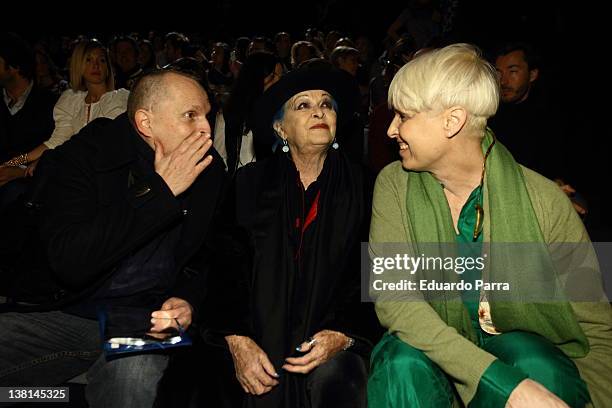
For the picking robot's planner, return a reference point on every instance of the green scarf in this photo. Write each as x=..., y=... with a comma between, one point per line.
x=512, y=220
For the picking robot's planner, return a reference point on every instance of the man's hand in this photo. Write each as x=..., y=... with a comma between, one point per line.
x=181, y=167
x=571, y=193
x=532, y=394
x=254, y=371
x=174, y=312
x=10, y=173
x=324, y=346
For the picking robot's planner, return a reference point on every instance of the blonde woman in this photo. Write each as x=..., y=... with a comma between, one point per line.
x=458, y=188
x=91, y=95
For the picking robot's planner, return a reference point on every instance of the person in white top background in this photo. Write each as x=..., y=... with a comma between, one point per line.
x=91, y=95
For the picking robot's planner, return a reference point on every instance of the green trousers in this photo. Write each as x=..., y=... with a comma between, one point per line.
x=402, y=376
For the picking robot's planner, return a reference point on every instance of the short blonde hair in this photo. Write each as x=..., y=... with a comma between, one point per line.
x=445, y=77
x=77, y=65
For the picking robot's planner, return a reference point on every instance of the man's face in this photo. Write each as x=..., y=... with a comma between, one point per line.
x=6, y=73
x=256, y=46
x=42, y=66
x=283, y=45
x=126, y=56
x=171, y=52
x=349, y=64
x=180, y=113
x=514, y=76
x=217, y=55
x=303, y=54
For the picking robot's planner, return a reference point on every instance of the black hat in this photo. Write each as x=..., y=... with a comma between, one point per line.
x=312, y=74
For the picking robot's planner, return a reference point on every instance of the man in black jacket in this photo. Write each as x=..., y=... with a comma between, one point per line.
x=127, y=209
x=530, y=123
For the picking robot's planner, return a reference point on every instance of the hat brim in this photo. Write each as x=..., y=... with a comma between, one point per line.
x=341, y=86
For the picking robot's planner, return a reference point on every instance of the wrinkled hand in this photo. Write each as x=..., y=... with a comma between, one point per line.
x=180, y=168
x=254, y=371
x=10, y=173
x=532, y=394
x=327, y=343
x=173, y=312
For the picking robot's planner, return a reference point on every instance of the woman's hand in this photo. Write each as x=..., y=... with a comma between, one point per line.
x=254, y=371
x=10, y=173
x=325, y=345
x=31, y=167
x=532, y=394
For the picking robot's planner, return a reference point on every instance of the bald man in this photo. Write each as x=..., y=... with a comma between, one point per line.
x=128, y=207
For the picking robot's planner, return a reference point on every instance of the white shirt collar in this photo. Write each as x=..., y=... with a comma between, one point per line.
x=20, y=101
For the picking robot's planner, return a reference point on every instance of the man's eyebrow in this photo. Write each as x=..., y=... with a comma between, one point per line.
x=192, y=107
x=197, y=108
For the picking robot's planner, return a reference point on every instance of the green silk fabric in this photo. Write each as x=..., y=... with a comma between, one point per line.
x=403, y=377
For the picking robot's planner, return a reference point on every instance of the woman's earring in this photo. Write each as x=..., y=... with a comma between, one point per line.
x=335, y=145
x=285, y=146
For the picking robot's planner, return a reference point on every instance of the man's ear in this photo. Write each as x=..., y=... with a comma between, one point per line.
x=454, y=120
x=533, y=74
x=142, y=119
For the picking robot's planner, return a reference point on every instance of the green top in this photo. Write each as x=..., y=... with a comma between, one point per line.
x=454, y=349
x=470, y=247
x=499, y=376
x=467, y=217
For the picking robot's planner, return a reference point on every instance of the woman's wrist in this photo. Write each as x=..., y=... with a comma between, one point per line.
x=17, y=161
x=234, y=340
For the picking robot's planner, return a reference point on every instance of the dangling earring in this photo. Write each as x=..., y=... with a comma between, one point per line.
x=285, y=146
x=335, y=145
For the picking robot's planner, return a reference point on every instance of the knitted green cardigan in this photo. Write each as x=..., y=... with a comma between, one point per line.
x=520, y=206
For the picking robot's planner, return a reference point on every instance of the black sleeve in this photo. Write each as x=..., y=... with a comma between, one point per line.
x=192, y=281
x=84, y=237
x=352, y=316
x=228, y=294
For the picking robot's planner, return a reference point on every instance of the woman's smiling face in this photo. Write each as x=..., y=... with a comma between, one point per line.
x=420, y=138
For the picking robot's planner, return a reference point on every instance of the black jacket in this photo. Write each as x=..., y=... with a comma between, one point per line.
x=292, y=264
x=98, y=211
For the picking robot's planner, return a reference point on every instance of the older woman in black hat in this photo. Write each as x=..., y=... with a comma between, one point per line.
x=293, y=320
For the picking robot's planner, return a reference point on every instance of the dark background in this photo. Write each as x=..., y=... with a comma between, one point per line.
x=476, y=20
x=571, y=36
